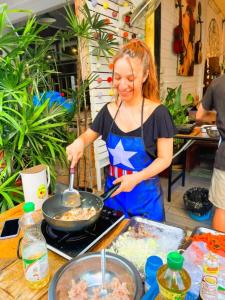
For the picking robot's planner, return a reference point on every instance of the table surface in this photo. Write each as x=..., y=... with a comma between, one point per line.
x=196, y=134
x=12, y=282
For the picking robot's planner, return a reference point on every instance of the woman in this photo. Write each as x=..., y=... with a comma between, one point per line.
x=138, y=133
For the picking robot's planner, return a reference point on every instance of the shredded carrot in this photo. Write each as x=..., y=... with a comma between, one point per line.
x=215, y=243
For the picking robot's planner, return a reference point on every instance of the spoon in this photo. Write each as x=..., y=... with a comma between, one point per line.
x=103, y=291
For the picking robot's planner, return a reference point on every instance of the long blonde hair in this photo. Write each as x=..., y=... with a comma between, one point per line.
x=138, y=48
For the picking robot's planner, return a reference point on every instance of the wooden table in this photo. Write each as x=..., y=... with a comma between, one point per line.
x=195, y=135
x=12, y=282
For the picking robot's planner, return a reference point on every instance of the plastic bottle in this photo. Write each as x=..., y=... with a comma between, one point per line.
x=173, y=280
x=221, y=285
x=208, y=290
x=34, y=250
x=151, y=286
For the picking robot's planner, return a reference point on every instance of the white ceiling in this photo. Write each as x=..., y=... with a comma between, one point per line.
x=221, y=5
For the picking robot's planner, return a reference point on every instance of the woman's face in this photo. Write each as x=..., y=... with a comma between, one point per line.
x=128, y=78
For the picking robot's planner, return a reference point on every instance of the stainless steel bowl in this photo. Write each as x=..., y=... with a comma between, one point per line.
x=212, y=131
x=88, y=267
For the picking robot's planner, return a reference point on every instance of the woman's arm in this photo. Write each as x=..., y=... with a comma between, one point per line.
x=163, y=161
x=75, y=150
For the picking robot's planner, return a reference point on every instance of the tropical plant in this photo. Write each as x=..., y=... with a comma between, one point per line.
x=178, y=111
x=31, y=134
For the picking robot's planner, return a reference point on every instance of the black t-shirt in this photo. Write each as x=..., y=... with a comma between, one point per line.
x=214, y=98
x=158, y=125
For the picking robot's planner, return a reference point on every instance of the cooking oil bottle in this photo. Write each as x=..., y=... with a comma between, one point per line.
x=34, y=250
x=174, y=281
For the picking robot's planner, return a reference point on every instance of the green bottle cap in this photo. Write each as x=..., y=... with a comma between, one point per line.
x=175, y=260
x=28, y=207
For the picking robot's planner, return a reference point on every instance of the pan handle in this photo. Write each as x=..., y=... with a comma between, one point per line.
x=107, y=194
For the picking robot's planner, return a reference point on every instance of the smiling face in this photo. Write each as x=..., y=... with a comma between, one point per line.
x=129, y=78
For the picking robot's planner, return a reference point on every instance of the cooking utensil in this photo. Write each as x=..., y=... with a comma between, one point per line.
x=71, y=196
x=88, y=267
x=103, y=291
x=53, y=206
x=212, y=131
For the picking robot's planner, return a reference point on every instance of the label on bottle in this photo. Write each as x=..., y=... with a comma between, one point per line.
x=36, y=267
x=208, y=287
x=172, y=295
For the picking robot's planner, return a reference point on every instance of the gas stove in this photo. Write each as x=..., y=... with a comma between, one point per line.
x=72, y=244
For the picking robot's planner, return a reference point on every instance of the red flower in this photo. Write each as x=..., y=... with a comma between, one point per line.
x=109, y=79
x=125, y=34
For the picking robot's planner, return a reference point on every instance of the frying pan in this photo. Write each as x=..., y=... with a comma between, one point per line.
x=54, y=206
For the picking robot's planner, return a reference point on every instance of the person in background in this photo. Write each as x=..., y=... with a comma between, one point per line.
x=214, y=98
x=138, y=132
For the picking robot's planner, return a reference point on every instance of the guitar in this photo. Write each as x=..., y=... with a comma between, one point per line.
x=198, y=44
x=178, y=44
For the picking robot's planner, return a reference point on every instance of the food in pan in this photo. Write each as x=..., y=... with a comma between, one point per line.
x=116, y=290
x=77, y=214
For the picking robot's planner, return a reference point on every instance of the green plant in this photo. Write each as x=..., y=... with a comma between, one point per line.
x=29, y=134
x=178, y=111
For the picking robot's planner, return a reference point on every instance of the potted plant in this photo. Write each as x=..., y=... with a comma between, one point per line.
x=178, y=111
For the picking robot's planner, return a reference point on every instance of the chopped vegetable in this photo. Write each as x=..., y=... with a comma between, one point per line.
x=214, y=242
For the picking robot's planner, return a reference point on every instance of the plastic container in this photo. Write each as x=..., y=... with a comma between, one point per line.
x=151, y=267
x=173, y=280
x=208, y=290
x=34, y=250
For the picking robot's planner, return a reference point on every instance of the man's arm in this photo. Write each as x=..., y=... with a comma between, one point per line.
x=205, y=116
x=201, y=113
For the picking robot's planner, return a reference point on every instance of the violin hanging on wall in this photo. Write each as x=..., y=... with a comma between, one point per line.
x=198, y=44
x=178, y=43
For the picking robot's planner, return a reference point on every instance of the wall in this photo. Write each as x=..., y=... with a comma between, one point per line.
x=100, y=94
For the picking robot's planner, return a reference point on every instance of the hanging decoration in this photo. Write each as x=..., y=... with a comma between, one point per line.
x=99, y=95
x=187, y=22
x=94, y=3
x=127, y=19
x=110, y=36
x=107, y=21
x=99, y=80
x=111, y=92
x=114, y=14
x=105, y=5
x=125, y=34
x=98, y=66
x=111, y=66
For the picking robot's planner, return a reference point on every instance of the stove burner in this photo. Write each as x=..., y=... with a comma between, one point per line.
x=71, y=244
x=68, y=236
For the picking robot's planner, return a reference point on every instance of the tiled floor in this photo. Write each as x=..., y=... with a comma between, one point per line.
x=175, y=212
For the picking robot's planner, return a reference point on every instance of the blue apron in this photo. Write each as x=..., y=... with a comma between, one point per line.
x=127, y=154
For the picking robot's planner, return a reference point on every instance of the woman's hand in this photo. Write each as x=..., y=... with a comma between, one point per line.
x=75, y=151
x=128, y=183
